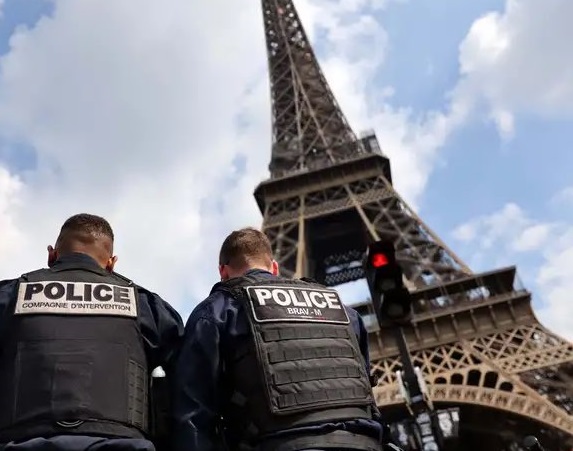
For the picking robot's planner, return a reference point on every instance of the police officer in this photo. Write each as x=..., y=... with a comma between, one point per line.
x=272, y=364
x=78, y=344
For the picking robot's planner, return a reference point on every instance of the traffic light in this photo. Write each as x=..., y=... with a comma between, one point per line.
x=390, y=297
x=382, y=271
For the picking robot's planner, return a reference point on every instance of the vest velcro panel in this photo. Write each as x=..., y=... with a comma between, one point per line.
x=308, y=373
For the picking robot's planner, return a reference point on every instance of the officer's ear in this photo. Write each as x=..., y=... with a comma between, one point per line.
x=111, y=263
x=223, y=272
x=275, y=268
x=52, y=256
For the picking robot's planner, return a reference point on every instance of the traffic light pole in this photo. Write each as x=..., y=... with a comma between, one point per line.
x=428, y=434
x=415, y=393
x=404, y=351
x=393, y=305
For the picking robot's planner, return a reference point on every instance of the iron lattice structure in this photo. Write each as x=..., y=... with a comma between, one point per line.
x=330, y=194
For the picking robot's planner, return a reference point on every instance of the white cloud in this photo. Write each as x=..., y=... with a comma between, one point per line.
x=515, y=61
x=465, y=232
x=555, y=280
x=135, y=120
x=10, y=192
x=563, y=197
x=532, y=237
x=140, y=119
x=508, y=233
x=508, y=225
x=137, y=109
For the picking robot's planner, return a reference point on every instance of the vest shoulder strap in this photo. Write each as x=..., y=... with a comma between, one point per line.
x=125, y=279
x=302, y=282
x=33, y=274
x=309, y=279
x=238, y=282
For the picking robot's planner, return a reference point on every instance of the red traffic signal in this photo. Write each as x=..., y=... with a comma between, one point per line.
x=378, y=260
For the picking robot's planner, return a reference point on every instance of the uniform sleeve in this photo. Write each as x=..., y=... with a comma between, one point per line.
x=361, y=334
x=365, y=351
x=162, y=329
x=197, y=376
x=7, y=297
x=363, y=341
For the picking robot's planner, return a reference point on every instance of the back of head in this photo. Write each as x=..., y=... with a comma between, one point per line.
x=87, y=234
x=245, y=249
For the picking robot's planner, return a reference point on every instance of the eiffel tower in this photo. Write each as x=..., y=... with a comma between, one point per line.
x=475, y=336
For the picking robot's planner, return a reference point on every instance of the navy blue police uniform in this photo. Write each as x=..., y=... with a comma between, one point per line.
x=269, y=363
x=77, y=347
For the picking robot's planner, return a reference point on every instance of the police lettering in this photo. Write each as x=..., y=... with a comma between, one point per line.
x=288, y=297
x=73, y=292
x=79, y=298
x=280, y=303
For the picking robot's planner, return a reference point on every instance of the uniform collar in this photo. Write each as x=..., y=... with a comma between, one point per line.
x=258, y=272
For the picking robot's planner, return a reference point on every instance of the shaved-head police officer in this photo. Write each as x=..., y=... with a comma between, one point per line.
x=77, y=345
x=272, y=364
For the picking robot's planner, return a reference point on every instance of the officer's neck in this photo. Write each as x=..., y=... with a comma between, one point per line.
x=77, y=256
x=93, y=251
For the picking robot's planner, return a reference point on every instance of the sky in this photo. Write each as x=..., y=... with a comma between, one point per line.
x=156, y=115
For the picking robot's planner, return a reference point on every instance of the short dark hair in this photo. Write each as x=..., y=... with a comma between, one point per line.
x=85, y=229
x=246, y=246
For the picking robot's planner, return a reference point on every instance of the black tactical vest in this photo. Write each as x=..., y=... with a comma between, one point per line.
x=72, y=360
x=302, y=366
